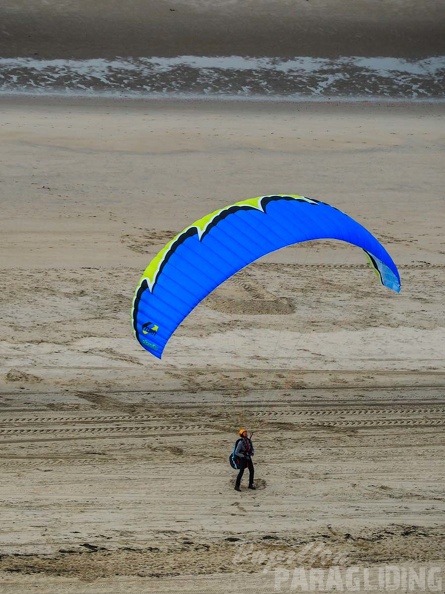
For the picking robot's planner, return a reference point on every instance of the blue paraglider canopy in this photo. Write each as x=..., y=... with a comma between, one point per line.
x=217, y=246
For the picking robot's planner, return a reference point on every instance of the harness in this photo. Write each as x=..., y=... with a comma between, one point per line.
x=234, y=461
x=248, y=446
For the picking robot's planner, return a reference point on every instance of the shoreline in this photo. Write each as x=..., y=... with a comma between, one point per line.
x=219, y=102
x=231, y=77
x=98, y=96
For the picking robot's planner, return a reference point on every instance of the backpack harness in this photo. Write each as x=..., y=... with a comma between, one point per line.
x=234, y=461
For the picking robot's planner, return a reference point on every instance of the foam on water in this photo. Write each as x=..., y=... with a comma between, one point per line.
x=229, y=77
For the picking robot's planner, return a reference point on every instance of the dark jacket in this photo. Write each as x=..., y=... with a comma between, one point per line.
x=245, y=448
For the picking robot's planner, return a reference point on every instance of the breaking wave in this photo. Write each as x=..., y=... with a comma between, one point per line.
x=230, y=76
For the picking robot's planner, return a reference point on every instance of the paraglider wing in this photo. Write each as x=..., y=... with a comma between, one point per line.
x=214, y=248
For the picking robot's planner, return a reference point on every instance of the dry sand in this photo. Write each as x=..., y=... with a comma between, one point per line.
x=114, y=464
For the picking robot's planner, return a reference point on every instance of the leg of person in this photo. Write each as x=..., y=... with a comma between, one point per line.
x=242, y=467
x=251, y=474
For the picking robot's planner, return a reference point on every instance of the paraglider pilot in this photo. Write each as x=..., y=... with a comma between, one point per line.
x=244, y=452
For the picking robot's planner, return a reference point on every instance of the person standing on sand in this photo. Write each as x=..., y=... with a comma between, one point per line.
x=244, y=452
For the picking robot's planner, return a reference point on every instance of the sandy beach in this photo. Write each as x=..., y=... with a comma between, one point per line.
x=114, y=464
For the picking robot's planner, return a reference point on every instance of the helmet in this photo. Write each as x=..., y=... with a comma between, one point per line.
x=241, y=431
